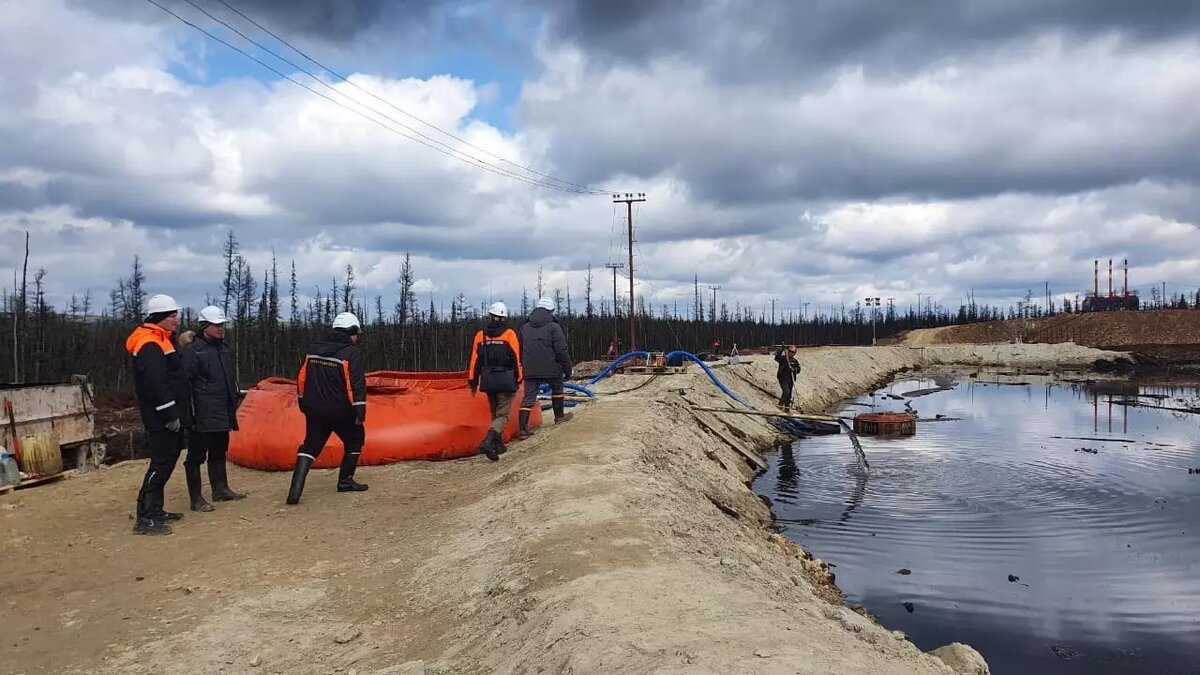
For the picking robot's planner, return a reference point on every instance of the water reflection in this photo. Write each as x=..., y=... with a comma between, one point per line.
x=1081, y=495
x=787, y=485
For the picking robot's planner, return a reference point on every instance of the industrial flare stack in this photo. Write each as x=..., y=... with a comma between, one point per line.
x=1111, y=302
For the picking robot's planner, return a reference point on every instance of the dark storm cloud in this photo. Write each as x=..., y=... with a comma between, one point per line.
x=787, y=37
x=331, y=20
x=17, y=197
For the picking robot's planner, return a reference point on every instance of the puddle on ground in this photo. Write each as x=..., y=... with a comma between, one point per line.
x=1051, y=527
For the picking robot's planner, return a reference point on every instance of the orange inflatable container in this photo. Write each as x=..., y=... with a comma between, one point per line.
x=410, y=416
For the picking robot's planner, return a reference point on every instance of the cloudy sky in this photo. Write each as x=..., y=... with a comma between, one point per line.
x=807, y=150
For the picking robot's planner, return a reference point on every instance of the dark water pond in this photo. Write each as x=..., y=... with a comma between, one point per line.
x=1101, y=537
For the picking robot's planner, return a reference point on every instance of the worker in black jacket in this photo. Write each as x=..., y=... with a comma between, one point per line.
x=788, y=371
x=164, y=401
x=545, y=359
x=212, y=374
x=332, y=386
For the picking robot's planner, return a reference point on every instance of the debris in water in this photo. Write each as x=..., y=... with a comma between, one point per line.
x=1093, y=451
x=909, y=607
x=904, y=571
x=1013, y=578
x=1065, y=653
x=925, y=392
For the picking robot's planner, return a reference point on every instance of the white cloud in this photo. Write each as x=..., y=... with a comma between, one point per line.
x=994, y=172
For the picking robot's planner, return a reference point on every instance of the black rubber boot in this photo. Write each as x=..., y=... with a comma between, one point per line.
x=525, y=432
x=346, y=482
x=150, y=520
x=490, y=444
x=303, y=464
x=559, y=415
x=156, y=512
x=192, y=473
x=151, y=527
x=219, y=481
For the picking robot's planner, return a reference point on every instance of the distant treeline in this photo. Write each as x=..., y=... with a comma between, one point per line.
x=273, y=325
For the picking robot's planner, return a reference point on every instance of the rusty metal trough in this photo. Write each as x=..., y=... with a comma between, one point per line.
x=885, y=424
x=64, y=412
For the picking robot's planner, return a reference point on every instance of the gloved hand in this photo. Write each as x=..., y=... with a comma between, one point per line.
x=566, y=373
x=474, y=387
x=173, y=426
x=360, y=414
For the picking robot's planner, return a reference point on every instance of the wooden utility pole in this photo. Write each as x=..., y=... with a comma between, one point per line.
x=614, y=267
x=628, y=199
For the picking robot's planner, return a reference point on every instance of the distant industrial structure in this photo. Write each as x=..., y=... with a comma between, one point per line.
x=1111, y=302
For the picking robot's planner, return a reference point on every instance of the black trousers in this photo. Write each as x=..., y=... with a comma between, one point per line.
x=531, y=390
x=318, y=429
x=165, y=447
x=786, y=384
x=207, y=445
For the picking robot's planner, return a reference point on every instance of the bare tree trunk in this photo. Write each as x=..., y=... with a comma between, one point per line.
x=20, y=318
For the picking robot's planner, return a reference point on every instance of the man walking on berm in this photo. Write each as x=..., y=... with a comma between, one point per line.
x=546, y=361
x=332, y=386
x=495, y=369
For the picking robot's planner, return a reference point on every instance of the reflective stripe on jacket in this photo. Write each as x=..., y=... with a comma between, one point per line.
x=332, y=378
x=158, y=378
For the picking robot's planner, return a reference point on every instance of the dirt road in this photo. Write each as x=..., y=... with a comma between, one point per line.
x=624, y=541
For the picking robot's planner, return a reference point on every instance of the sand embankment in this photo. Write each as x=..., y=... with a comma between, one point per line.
x=624, y=541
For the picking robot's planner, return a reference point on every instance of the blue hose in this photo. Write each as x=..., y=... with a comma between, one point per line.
x=619, y=360
x=712, y=376
x=567, y=404
x=545, y=389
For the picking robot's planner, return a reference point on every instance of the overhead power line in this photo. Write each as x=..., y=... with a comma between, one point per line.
x=433, y=144
x=398, y=109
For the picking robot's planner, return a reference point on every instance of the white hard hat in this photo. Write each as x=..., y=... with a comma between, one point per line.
x=346, y=320
x=545, y=303
x=161, y=304
x=498, y=309
x=213, y=314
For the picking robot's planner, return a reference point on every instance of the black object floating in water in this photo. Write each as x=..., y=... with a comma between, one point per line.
x=904, y=571
x=909, y=607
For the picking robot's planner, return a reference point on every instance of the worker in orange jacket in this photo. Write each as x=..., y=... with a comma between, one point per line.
x=165, y=403
x=495, y=369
